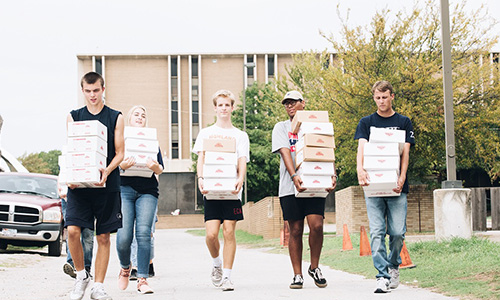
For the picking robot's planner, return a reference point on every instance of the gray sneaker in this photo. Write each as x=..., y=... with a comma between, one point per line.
x=382, y=285
x=79, y=288
x=394, y=282
x=227, y=285
x=217, y=276
x=69, y=270
x=99, y=294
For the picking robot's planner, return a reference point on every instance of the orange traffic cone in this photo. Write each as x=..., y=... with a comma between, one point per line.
x=346, y=240
x=405, y=258
x=364, y=243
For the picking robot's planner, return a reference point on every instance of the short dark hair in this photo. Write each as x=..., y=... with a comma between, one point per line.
x=382, y=86
x=91, y=78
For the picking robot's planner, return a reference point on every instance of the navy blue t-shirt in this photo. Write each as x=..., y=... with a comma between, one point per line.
x=396, y=121
x=144, y=185
x=108, y=117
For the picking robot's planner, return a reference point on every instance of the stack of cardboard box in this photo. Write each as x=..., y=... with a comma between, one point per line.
x=314, y=152
x=219, y=169
x=140, y=143
x=382, y=161
x=84, y=154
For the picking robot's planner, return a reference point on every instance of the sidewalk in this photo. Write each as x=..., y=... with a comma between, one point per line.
x=183, y=265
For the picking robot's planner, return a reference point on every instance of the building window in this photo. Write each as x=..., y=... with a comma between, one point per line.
x=195, y=93
x=194, y=66
x=270, y=66
x=98, y=65
x=250, y=70
x=175, y=149
x=175, y=112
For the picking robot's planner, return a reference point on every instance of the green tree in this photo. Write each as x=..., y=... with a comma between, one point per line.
x=263, y=111
x=52, y=160
x=34, y=163
x=43, y=162
x=407, y=52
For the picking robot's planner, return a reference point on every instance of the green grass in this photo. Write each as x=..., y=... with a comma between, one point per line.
x=469, y=269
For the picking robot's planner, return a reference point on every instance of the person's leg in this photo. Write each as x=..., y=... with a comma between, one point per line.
x=377, y=211
x=295, y=244
x=75, y=247
x=88, y=247
x=102, y=256
x=212, y=237
x=229, y=251
x=396, y=228
x=125, y=234
x=133, y=252
x=145, y=212
x=315, y=223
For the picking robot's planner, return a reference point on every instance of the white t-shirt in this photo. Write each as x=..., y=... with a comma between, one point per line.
x=216, y=132
x=284, y=138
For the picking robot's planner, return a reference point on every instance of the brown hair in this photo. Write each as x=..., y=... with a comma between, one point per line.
x=91, y=78
x=224, y=94
x=382, y=86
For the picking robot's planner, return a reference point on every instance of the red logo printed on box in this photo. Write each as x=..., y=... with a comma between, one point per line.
x=316, y=181
x=319, y=153
x=219, y=171
x=389, y=133
x=318, y=168
x=320, y=141
x=381, y=160
x=381, y=147
x=312, y=117
x=317, y=128
x=218, y=184
x=220, y=158
x=218, y=145
x=142, y=145
x=379, y=175
x=141, y=133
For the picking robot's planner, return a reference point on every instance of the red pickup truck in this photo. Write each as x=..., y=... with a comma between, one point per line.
x=30, y=211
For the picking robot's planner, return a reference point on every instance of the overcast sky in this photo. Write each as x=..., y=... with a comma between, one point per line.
x=41, y=39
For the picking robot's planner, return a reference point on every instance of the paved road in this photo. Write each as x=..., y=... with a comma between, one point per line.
x=183, y=272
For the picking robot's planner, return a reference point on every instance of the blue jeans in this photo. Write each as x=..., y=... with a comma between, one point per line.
x=387, y=215
x=133, y=250
x=139, y=209
x=87, y=242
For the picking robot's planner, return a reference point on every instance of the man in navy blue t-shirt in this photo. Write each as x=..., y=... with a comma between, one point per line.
x=387, y=215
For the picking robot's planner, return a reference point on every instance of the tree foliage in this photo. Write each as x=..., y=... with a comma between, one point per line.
x=407, y=52
x=43, y=162
x=263, y=111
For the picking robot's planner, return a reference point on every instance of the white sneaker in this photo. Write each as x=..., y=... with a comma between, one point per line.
x=382, y=285
x=227, y=284
x=217, y=276
x=99, y=294
x=79, y=288
x=394, y=282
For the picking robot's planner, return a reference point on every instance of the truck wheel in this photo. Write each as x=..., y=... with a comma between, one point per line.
x=56, y=246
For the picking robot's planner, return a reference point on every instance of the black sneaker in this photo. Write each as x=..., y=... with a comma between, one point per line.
x=319, y=280
x=133, y=275
x=298, y=282
x=151, y=270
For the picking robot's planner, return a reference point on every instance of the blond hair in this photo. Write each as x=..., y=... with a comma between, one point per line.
x=224, y=94
x=131, y=111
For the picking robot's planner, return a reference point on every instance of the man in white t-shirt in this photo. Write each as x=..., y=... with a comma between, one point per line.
x=227, y=212
x=296, y=209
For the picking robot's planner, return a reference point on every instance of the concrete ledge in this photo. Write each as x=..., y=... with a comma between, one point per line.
x=180, y=221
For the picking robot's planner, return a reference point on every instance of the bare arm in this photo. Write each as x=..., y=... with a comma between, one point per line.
x=199, y=171
x=119, y=150
x=405, y=159
x=287, y=159
x=334, y=180
x=362, y=174
x=242, y=170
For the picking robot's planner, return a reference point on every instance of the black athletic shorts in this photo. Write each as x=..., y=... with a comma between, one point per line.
x=89, y=206
x=297, y=208
x=222, y=210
